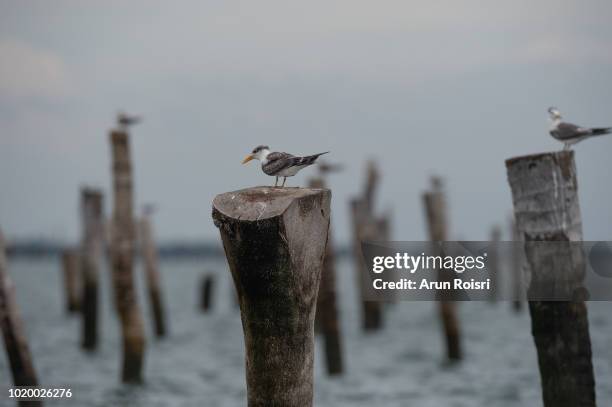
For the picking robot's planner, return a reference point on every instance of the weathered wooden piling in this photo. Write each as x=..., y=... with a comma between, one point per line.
x=72, y=280
x=370, y=187
x=206, y=292
x=365, y=228
x=493, y=262
x=122, y=253
x=545, y=196
x=516, y=268
x=274, y=240
x=151, y=271
x=383, y=233
x=91, y=251
x=15, y=341
x=384, y=227
x=436, y=215
x=327, y=309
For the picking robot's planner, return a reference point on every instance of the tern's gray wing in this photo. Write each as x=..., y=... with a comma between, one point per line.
x=277, y=162
x=569, y=131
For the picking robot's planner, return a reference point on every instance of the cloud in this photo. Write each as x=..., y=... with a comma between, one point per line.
x=29, y=72
x=392, y=41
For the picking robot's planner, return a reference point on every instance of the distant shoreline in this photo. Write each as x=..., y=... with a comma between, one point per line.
x=44, y=248
x=179, y=249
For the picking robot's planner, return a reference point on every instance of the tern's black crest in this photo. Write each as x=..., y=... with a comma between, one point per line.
x=259, y=148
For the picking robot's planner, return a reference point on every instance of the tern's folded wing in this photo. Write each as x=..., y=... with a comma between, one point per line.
x=569, y=131
x=277, y=162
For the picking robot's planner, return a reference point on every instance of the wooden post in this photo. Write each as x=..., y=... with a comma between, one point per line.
x=383, y=234
x=91, y=251
x=436, y=213
x=364, y=229
x=72, y=280
x=206, y=292
x=372, y=178
x=151, y=271
x=274, y=240
x=544, y=193
x=493, y=262
x=516, y=265
x=15, y=342
x=327, y=310
x=122, y=252
x=384, y=227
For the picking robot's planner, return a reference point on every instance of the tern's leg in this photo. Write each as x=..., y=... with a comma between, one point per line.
x=276, y=182
x=566, y=147
x=284, y=179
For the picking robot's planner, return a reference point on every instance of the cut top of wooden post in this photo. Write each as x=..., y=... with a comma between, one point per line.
x=91, y=199
x=545, y=195
x=260, y=203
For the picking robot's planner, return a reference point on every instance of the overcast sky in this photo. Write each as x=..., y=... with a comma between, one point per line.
x=448, y=87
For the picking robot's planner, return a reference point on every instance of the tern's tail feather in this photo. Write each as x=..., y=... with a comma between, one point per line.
x=310, y=159
x=601, y=131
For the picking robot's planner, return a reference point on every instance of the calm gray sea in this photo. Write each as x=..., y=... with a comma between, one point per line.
x=201, y=362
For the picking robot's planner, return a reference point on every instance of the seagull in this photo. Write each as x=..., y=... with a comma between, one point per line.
x=570, y=133
x=124, y=121
x=280, y=164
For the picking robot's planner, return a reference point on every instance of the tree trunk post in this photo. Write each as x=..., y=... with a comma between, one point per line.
x=436, y=214
x=91, y=251
x=383, y=234
x=72, y=280
x=384, y=227
x=516, y=265
x=493, y=262
x=545, y=197
x=370, y=187
x=327, y=309
x=15, y=341
x=364, y=229
x=274, y=241
x=152, y=277
x=206, y=292
x=122, y=253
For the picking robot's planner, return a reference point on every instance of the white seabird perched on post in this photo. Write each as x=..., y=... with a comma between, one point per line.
x=280, y=164
x=570, y=133
x=124, y=121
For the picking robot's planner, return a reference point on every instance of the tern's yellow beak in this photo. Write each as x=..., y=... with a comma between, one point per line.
x=247, y=158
